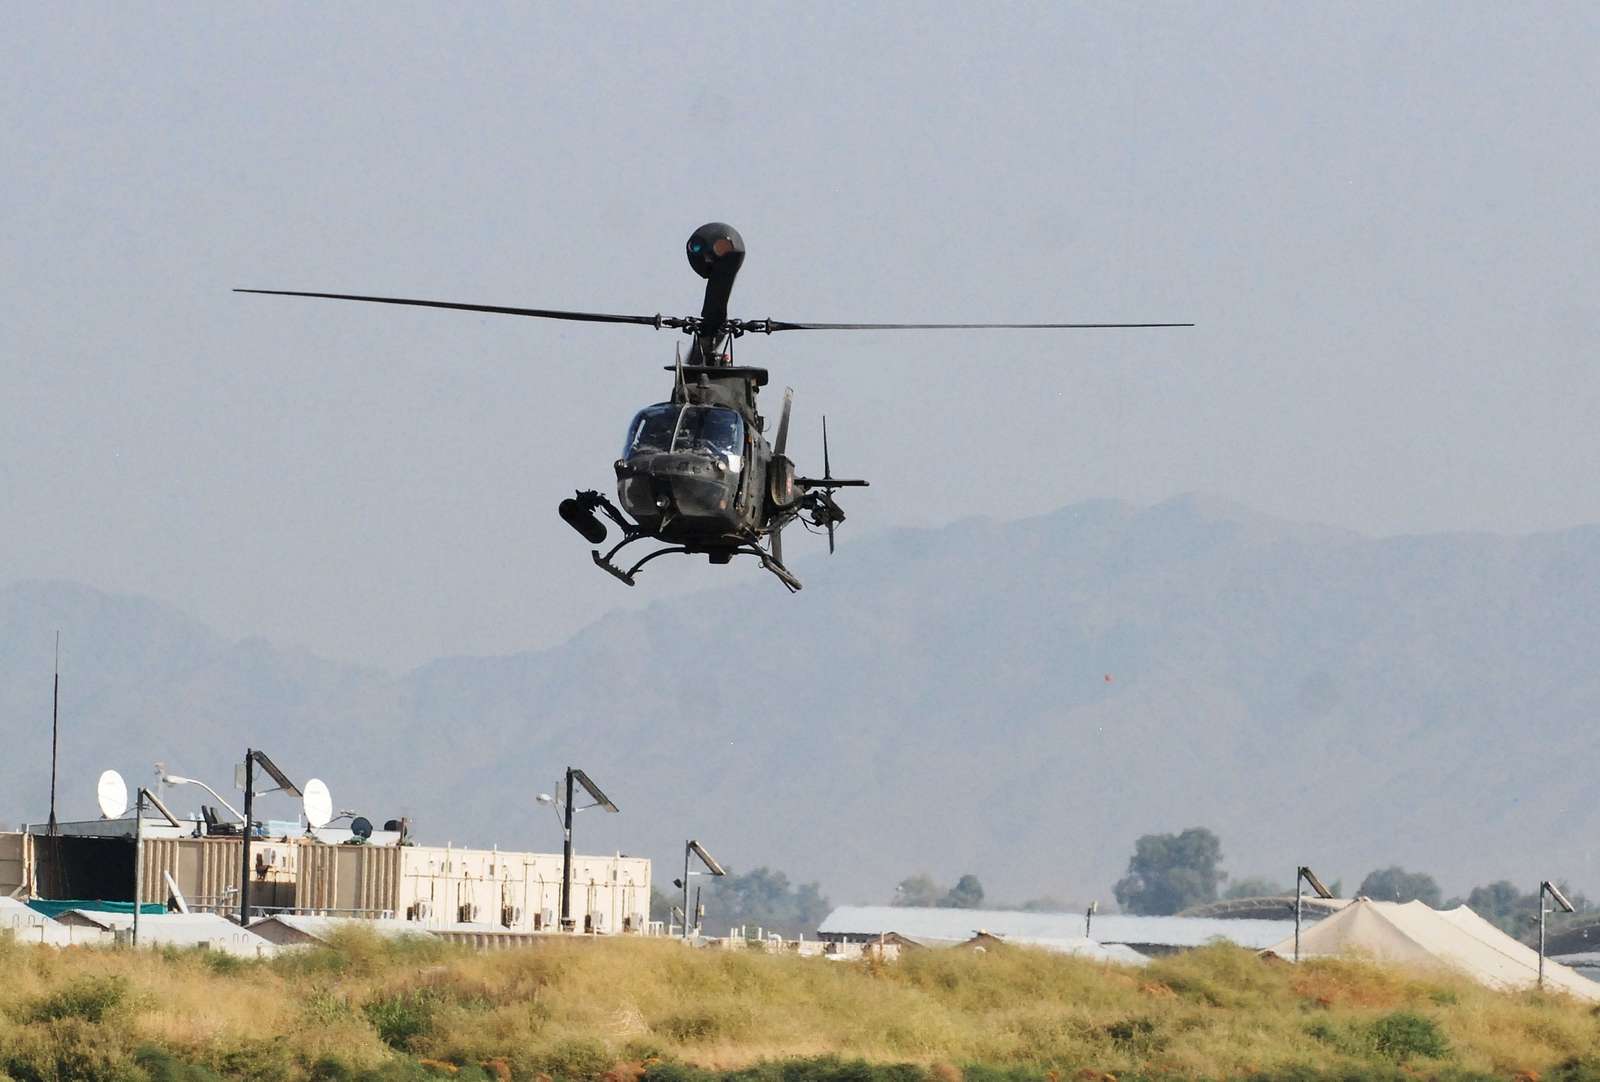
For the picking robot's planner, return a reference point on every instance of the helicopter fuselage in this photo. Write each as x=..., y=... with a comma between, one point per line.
x=693, y=469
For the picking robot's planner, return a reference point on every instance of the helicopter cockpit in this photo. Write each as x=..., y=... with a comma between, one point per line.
x=669, y=427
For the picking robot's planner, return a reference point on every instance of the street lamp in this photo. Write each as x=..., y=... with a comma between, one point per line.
x=692, y=847
x=1560, y=899
x=252, y=759
x=1303, y=876
x=173, y=779
x=600, y=801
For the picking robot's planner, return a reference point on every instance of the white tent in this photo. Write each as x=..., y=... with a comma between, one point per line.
x=27, y=925
x=290, y=929
x=1077, y=946
x=1415, y=934
x=209, y=930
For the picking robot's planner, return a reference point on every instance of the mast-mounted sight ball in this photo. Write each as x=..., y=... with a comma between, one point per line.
x=712, y=244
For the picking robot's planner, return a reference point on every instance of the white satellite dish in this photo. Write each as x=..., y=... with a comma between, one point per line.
x=112, y=793
x=317, y=803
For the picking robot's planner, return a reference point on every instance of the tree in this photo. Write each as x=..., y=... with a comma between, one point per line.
x=1254, y=886
x=1395, y=884
x=763, y=899
x=1169, y=872
x=966, y=894
x=918, y=891
x=1515, y=913
x=1501, y=904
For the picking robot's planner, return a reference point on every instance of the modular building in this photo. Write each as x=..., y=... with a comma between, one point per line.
x=431, y=887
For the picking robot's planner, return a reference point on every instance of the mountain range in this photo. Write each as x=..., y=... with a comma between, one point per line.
x=1020, y=700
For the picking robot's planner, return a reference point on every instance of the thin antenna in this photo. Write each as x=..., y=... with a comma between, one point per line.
x=55, y=730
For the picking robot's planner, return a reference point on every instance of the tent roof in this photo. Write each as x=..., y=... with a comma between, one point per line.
x=181, y=930
x=303, y=928
x=961, y=924
x=1412, y=933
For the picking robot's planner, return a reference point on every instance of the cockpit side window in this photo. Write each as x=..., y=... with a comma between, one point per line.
x=651, y=430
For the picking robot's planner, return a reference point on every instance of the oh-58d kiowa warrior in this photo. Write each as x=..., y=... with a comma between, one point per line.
x=697, y=475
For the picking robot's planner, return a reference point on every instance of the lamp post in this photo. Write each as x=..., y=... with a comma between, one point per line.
x=173, y=779
x=694, y=848
x=1560, y=899
x=251, y=759
x=1303, y=876
x=600, y=801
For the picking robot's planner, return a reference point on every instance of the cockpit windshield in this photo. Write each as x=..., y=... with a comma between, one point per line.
x=668, y=427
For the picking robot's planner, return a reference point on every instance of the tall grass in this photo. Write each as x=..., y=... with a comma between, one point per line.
x=652, y=1011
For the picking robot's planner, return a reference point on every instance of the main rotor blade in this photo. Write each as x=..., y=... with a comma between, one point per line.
x=767, y=326
x=542, y=313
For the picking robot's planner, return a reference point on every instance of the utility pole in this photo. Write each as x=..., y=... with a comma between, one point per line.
x=567, y=924
x=138, y=860
x=1554, y=891
x=1302, y=876
x=691, y=918
x=244, y=864
x=574, y=775
x=55, y=731
x=251, y=758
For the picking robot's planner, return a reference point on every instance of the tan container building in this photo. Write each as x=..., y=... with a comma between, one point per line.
x=431, y=887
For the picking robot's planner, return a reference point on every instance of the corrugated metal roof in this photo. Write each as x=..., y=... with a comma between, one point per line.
x=962, y=924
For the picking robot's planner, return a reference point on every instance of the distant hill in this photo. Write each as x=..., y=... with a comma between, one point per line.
x=1019, y=699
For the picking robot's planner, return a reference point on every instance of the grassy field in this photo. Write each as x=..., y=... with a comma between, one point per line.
x=652, y=1011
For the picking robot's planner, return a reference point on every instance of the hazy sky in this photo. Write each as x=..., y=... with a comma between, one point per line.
x=1383, y=217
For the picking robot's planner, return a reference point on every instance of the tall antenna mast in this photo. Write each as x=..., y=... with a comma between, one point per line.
x=55, y=730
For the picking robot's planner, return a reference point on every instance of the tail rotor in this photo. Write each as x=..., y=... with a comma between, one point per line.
x=819, y=503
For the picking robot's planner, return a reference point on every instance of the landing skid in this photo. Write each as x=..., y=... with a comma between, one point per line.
x=607, y=563
x=591, y=501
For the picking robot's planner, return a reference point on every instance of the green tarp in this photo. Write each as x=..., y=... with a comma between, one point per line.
x=53, y=908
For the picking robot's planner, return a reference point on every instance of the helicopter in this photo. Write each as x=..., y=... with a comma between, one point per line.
x=696, y=473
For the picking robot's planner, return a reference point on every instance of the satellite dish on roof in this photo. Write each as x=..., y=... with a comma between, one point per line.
x=112, y=793
x=361, y=827
x=317, y=803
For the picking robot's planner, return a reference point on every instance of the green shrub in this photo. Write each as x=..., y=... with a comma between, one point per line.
x=88, y=998
x=1577, y=1069
x=223, y=963
x=331, y=1069
x=64, y=1049
x=1404, y=1034
x=399, y=1018
x=1135, y=1035
x=162, y=1066
x=576, y=1059
x=260, y=1061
